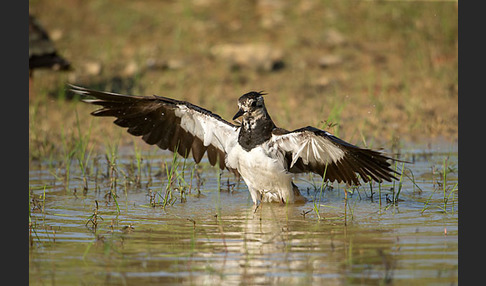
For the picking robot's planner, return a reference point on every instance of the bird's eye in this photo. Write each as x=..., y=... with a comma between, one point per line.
x=253, y=104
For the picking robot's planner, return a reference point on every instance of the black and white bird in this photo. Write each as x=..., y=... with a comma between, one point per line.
x=264, y=155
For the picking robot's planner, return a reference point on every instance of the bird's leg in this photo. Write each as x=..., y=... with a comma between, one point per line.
x=258, y=203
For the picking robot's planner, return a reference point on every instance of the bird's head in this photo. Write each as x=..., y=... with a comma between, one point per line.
x=251, y=105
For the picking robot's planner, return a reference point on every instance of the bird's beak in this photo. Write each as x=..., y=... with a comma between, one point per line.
x=238, y=114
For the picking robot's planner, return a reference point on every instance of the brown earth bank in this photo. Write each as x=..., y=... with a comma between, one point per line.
x=373, y=73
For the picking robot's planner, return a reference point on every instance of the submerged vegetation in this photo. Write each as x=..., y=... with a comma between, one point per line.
x=178, y=201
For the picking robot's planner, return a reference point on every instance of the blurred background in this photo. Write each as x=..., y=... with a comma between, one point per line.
x=371, y=72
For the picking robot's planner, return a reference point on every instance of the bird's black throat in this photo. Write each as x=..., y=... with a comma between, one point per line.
x=255, y=131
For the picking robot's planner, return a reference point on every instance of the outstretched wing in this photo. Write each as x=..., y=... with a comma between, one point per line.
x=310, y=149
x=170, y=124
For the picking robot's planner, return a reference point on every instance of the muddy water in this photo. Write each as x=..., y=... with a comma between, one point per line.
x=214, y=236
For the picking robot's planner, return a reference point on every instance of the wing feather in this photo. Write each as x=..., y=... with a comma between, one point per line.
x=310, y=149
x=171, y=124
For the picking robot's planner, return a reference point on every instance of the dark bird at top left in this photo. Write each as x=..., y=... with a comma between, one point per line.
x=42, y=52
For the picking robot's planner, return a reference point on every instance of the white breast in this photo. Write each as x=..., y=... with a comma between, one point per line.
x=263, y=171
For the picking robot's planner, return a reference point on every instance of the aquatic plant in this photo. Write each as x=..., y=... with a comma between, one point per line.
x=443, y=185
x=81, y=151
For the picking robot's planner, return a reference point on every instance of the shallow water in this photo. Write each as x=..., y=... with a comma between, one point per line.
x=214, y=235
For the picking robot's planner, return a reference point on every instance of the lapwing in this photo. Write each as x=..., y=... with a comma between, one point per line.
x=264, y=155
